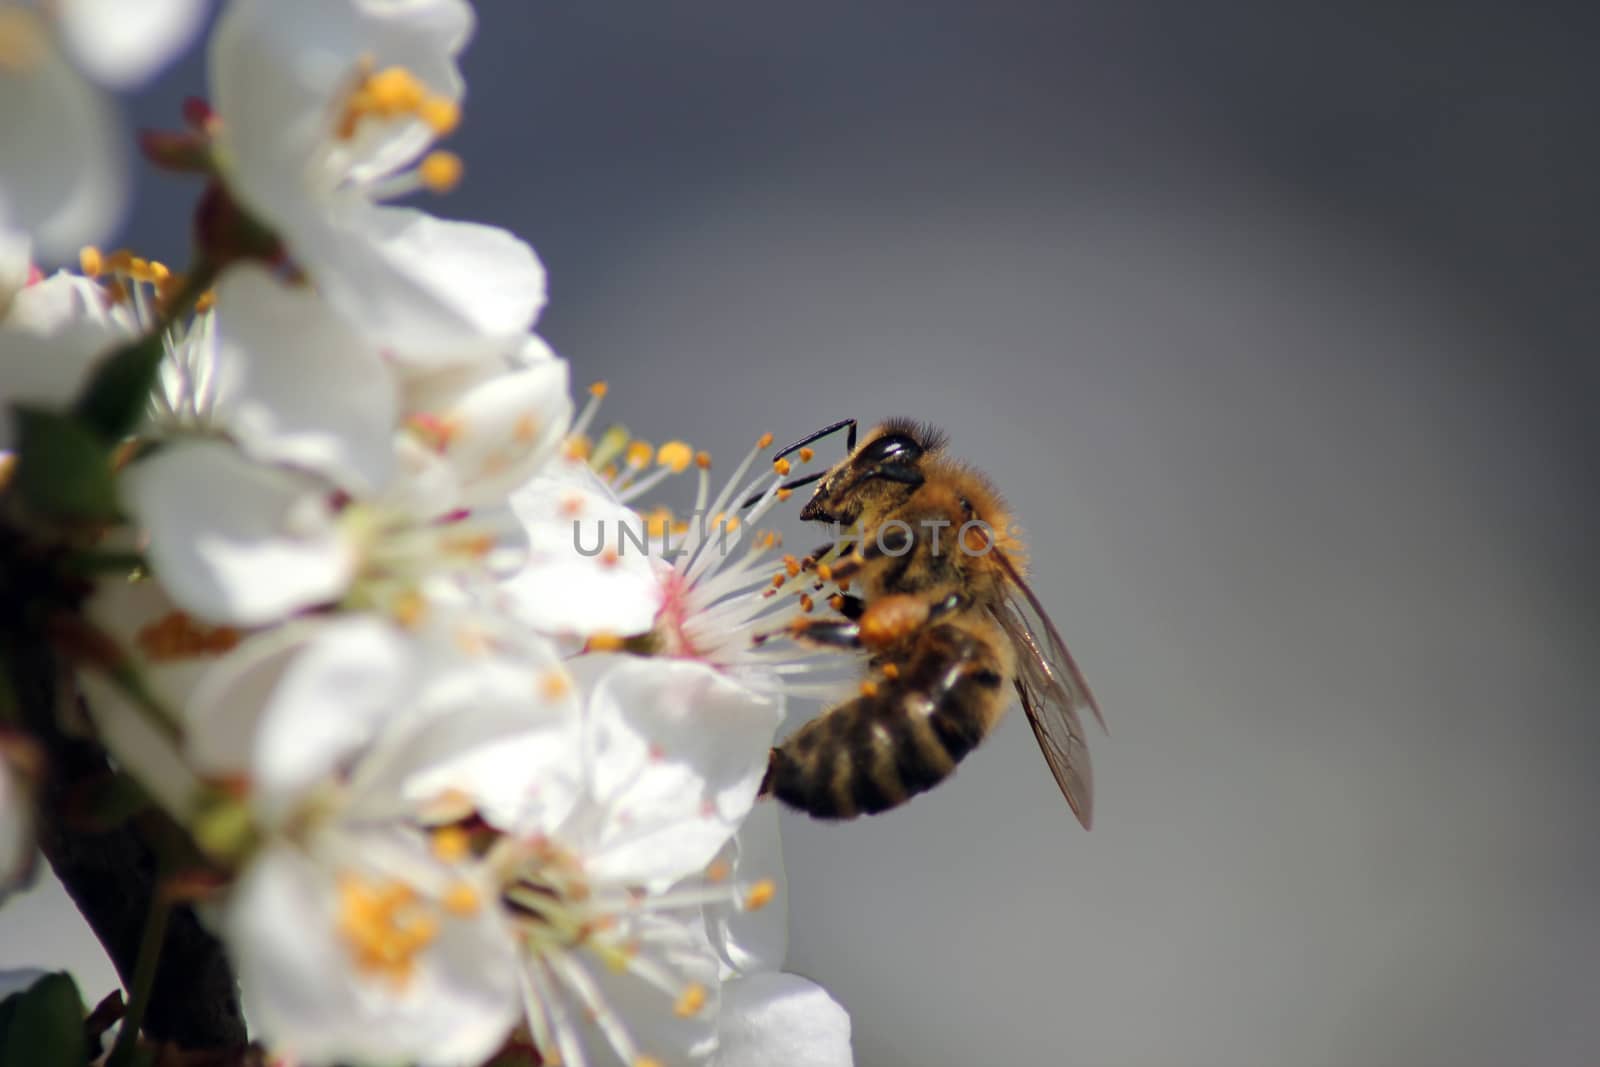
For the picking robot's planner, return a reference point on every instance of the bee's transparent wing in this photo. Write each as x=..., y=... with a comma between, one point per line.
x=1052, y=689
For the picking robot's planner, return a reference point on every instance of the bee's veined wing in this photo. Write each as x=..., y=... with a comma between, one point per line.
x=1052, y=689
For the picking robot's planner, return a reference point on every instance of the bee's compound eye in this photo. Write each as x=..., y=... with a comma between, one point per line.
x=891, y=448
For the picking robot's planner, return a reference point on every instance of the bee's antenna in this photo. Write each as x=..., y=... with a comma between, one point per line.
x=850, y=440
x=795, y=484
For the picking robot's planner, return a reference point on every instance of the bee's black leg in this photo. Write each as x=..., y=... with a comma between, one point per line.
x=849, y=605
x=820, y=632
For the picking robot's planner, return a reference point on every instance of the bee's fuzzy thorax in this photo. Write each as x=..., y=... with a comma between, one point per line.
x=974, y=488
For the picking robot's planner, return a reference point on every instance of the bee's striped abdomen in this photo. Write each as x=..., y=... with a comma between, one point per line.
x=872, y=753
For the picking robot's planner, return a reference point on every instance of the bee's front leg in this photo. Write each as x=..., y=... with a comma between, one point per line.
x=819, y=632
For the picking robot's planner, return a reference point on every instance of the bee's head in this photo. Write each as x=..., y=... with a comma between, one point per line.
x=877, y=476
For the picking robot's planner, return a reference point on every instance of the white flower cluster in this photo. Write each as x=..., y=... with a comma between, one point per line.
x=376, y=679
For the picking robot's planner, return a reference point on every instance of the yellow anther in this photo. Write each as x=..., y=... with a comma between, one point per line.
x=778, y=579
x=806, y=455
x=554, y=684
x=703, y=460
x=461, y=899
x=440, y=171
x=690, y=1001
x=441, y=114
x=382, y=926
x=639, y=454
x=394, y=91
x=159, y=274
x=869, y=688
x=578, y=447
x=760, y=895
x=676, y=455
x=825, y=572
x=891, y=671
x=605, y=642
x=598, y=389
x=206, y=301
x=785, y=494
x=658, y=522
x=409, y=609
x=765, y=441
x=451, y=844
x=791, y=566
x=806, y=603
x=139, y=269
x=119, y=261
x=781, y=466
x=91, y=262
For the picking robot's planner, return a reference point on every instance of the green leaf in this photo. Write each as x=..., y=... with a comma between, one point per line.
x=63, y=469
x=119, y=388
x=44, y=1026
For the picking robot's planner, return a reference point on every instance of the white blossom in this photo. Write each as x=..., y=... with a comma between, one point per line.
x=357, y=937
x=604, y=886
x=324, y=108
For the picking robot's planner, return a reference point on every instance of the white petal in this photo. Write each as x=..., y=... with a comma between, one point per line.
x=676, y=946
x=504, y=733
x=303, y=703
x=44, y=371
x=317, y=396
x=120, y=43
x=278, y=69
x=64, y=304
x=54, y=332
x=303, y=991
x=778, y=1020
x=505, y=428
x=62, y=174
x=133, y=614
x=753, y=940
x=675, y=753
x=16, y=265
x=580, y=576
x=234, y=541
x=414, y=282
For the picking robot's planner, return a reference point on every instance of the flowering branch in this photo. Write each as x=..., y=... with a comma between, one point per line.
x=111, y=875
x=295, y=617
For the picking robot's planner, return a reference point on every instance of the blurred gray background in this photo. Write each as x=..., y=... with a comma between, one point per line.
x=1275, y=320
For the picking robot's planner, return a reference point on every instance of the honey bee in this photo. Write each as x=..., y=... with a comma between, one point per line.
x=946, y=619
